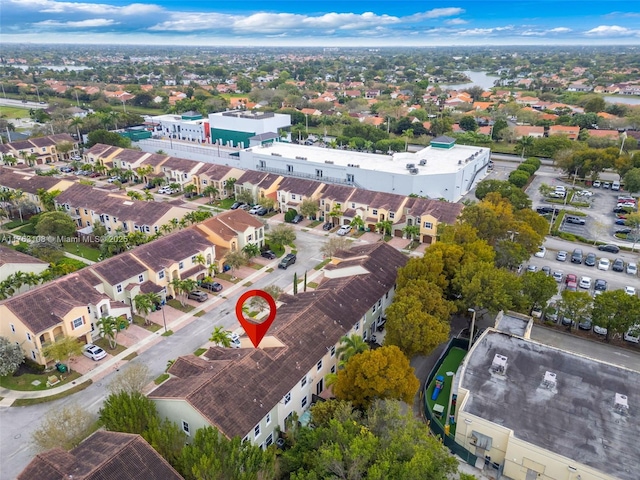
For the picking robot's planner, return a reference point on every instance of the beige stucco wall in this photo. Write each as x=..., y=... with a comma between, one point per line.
x=179, y=411
x=12, y=268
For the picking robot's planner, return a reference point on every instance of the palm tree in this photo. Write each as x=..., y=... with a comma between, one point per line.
x=188, y=285
x=274, y=290
x=384, y=226
x=220, y=337
x=109, y=328
x=408, y=133
x=148, y=196
x=31, y=279
x=17, y=197
x=336, y=212
x=77, y=122
x=251, y=249
x=211, y=192
x=525, y=142
x=145, y=303
x=411, y=231
x=351, y=345
x=357, y=222
x=134, y=195
x=230, y=185
x=143, y=171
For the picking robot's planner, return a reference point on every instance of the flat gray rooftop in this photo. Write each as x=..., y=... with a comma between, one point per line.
x=515, y=325
x=576, y=419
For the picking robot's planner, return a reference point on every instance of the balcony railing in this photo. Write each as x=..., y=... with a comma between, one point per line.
x=309, y=176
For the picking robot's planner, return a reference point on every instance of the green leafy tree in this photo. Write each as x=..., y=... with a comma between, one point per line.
x=220, y=337
x=245, y=196
x=274, y=290
x=616, y=311
x=167, y=438
x=632, y=180
x=63, y=350
x=411, y=231
x=55, y=224
x=575, y=305
x=357, y=222
x=538, y=288
x=132, y=379
x=309, y=207
x=384, y=227
x=47, y=198
x=107, y=138
x=251, y=250
x=210, y=455
x=482, y=285
x=64, y=427
x=468, y=123
x=236, y=260
x=145, y=304
x=11, y=356
x=127, y=412
x=282, y=235
x=376, y=374
x=333, y=245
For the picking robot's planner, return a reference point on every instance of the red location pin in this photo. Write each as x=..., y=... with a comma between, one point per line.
x=256, y=331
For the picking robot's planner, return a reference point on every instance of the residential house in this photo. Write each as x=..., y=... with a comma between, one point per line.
x=217, y=176
x=128, y=159
x=30, y=183
x=520, y=131
x=40, y=150
x=88, y=205
x=259, y=184
x=571, y=132
x=313, y=112
x=251, y=393
x=428, y=214
x=334, y=196
x=292, y=191
x=610, y=134
x=67, y=307
x=103, y=456
x=13, y=262
x=231, y=231
x=101, y=154
x=180, y=170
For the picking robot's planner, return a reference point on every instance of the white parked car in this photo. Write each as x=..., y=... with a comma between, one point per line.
x=557, y=276
x=599, y=330
x=633, y=334
x=632, y=268
x=584, y=193
x=604, y=264
x=541, y=252
x=255, y=209
x=94, y=352
x=235, y=340
x=344, y=230
x=585, y=282
x=629, y=290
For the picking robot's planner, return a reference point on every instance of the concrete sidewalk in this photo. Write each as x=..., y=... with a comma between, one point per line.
x=9, y=396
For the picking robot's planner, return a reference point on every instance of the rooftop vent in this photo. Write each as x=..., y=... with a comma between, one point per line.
x=275, y=154
x=413, y=171
x=459, y=161
x=549, y=380
x=621, y=406
x=300, y=158
x=329, y=161
x=423, y=161
x=410, y=166
x=499, y=364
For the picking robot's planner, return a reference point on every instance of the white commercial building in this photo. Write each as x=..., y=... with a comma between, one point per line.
x=441, y=170
x=188, y=126
x=236, y=128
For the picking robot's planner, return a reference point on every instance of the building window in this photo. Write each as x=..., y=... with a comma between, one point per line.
x=85, y=212
x=428, y=225
x=350, y=178
x=375, y=212
x=256, y=431
x=13, y=329
x=119, y=288
x=333, y=369
x=185, y=427
x=287, y=398
x=293, y=196
x=141, y=278
x=319, y=365
x=268, y=418
x=303, y=403
x=193, y=259
x=33, y=355
x=333, y=351
x=204, y=182
x=245, y=439
x=392, y=215
x=269, y=440
x=356, y=327
x=249, y=238
x=289, y=168
x=374, y=307
x=78, y=322
x=303, y=382
x=321, y=202
x=181, y=265
x=28, y=336
x=379, y=302
x=106, y=217
x=318, y=173
x=161, y=274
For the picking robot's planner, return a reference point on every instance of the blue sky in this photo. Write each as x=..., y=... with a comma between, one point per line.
x=322, y=23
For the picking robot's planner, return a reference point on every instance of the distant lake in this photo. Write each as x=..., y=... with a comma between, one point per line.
x=481, y=79
x=626, y=99
x=56, y=68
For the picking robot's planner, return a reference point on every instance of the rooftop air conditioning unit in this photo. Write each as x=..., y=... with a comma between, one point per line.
x=499, y=364
x=549, y=380
x=413, y=171
x=410, y=166
x=275, y=154
x=329, y=161
x=459, y=162
x=423, y=162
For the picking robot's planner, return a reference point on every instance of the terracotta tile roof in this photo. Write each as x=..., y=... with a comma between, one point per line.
x=44, y=307
x=27, y=183
x=237, y=220
x=237, y=387
x=102, y=456
x=9, y=255
x=170, y=249
x=213, y=171
x=119, y=268
x=154, y=159
x=337, y=193
x=130, y=156
x=299, y=186
x=98, y=149
x=445, y=212
x=364, y=197
x=181, y=164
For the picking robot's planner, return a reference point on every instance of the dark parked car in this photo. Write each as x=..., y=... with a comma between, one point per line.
x=624, y=231
x=590, y=260
x=262, y=211
x=213, y=286
x=297, y=219
x=622, y=209
x=327, y=226
x=547, y=210
x=575, y=220
x=609, y=248
x=288, y=260
x=618, y=265
x=585, y=324
x=198, y=295
x=600, y=285
x=236, y=205
x=576, y=256
x=268, y=254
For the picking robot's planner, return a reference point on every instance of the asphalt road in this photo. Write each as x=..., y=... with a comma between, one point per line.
x=17, y=424
x=9, y=102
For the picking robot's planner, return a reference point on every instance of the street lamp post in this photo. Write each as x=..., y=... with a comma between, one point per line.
x=38, y=93
x=164, y=320
x=473, y=324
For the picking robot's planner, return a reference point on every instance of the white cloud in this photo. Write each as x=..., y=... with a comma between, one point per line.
x=52, y=6
x=611, y=31
x=456, y=21
x=559, y=30
x=484, y=31
x=437, y=13
x=94, y=22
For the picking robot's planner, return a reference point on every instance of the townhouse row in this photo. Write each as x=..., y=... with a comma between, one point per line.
x=41, y=150
x=73, y=305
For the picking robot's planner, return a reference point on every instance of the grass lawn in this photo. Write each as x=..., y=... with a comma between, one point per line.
x=178, y=306
x=13, y=224
x=161, y=378
x=322, y=264
x=168, y=333
x=139, y=321
x=199, y=351
x=131, y=356
x=28, y=230
x=82, y=250
x=103, y=343
x=14, y=112
x=228, y=278
x=256, y=266
x=312, y=285
x=23, y=382
x=199, y=314
x=225, y=203
x=26, y=402
x=450, y=364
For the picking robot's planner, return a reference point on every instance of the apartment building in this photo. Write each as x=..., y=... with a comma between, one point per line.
x=40, y=150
